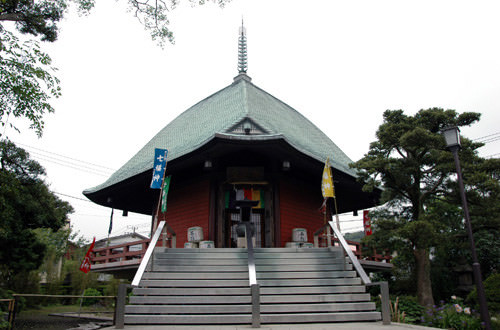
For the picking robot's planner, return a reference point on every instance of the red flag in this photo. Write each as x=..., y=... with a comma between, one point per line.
x=367, y=223
x=85, y=265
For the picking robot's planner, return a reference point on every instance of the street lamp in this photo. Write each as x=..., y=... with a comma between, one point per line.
x=452, y=138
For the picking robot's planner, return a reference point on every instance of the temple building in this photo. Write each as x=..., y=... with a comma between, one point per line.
x=245, y=171
x=240, y=142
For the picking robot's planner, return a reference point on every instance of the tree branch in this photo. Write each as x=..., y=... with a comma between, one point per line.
x=432, y=190
x=15, y=17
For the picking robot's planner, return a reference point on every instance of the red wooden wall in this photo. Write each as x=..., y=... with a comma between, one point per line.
x=188, y=206
x=299, y=208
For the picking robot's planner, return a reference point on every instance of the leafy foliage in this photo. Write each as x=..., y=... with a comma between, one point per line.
x=412, y=309
x=492, y=292
x=355, y=236
x=40, y=17
x=452, y=315
x=26, y=81
x=26, y=203
x=410, y=161
x=91, y=292
x=153, y=15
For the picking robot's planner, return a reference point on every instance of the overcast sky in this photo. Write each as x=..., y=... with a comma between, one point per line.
x=339, y=63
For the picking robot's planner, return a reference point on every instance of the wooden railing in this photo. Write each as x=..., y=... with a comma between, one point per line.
x=127, y=254
x=119, y=252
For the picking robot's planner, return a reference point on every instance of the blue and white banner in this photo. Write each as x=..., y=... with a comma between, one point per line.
x=159, y=165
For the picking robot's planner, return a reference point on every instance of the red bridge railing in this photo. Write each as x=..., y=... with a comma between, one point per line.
x=119, y=255
x=130, y=254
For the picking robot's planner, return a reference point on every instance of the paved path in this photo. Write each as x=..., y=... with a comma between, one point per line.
x=330, y=326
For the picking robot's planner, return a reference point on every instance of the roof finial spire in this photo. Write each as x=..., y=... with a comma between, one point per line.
x=242, y=50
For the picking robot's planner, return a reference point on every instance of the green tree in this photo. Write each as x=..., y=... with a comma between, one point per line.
x=410, y=161
x=27, y=80
x=26, y=203
x=74, y=280
x=56, y=243
x=40, y=17
x=27, y=83
x=481, y=180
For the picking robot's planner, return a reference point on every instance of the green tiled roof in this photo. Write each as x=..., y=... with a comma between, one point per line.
x=218, y=114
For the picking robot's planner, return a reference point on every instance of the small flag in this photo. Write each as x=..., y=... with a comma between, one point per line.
x=229, y=199
x=367, y=223
x=85, y=265
x=327, y=188
x=258, y=195
x=231, y=196
x=111, y=222
x=159, y=165
x=164, y=194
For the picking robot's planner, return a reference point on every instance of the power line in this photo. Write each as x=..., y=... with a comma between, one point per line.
x=70, y=162
x=47, y=159
x=79, y=198
x=73, y=159
x=493, y=139
x=486, y=136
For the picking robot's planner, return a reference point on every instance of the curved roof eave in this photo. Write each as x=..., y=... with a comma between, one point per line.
x=215, y=115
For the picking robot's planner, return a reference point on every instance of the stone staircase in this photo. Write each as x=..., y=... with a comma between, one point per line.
x=211, y=286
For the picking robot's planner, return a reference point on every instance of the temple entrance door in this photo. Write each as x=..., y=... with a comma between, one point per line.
x=233, y=218
x=229, y=216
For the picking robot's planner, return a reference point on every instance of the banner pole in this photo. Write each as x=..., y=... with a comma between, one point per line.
x=155, y=215
x=336, y=213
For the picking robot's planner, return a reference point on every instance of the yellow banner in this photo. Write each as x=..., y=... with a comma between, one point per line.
x=327, y=183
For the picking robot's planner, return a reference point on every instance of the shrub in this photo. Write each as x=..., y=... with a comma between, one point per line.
x=451, y=315
x=492, y=292
x=412, y=309
x=89, y=292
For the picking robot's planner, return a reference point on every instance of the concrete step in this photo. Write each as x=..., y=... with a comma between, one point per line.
x=189, y=319
x=318, y=308
x=206, y=255
x=256, y=250
x=200, y=262
x=245, y=299
x=304, y=274
x=211, y=286
x=155, y=291
x=320, y=317
x=244, y=275
x=233, y=299
x=314, y=298
x=231, y=267
x=189, y=309
x=246, y=318
x=300, y=268
x=313, y=289
x=310, y=282
x=247, y=308
x=196, y=276
x=209, y=291
x=200, y=268
x=193, y=283
x=303, y=262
